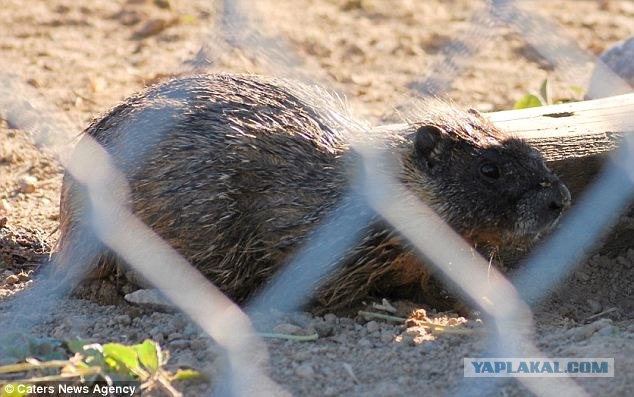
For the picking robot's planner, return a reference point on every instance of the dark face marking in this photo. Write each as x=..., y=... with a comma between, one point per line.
x=503, y=192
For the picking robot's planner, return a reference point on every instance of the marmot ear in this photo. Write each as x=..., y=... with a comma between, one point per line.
x=426, y=141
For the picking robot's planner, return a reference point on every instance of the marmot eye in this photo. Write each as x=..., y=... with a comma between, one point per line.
x=490, y=170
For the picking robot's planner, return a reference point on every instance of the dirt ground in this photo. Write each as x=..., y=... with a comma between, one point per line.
x=83, y=57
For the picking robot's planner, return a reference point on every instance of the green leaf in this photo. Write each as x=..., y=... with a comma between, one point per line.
x=528, y=101
x=577, y=90
x=124, y=354
x=93, y=355
x=76, y=345
x=544, y=92
x=149, y=353
x=121, y=358
x=187, y=374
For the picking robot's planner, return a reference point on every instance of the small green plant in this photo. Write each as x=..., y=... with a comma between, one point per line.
x=544, y=97
x=109, y=362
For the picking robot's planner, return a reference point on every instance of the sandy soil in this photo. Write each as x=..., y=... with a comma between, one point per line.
x=83, y=57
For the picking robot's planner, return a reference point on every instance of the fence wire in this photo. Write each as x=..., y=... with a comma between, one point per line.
x=505, y=303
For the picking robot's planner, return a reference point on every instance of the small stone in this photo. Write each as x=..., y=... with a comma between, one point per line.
x=185, y=359
x=582, y=333
x=364, y=342
x=61, y=332
x=305, y=371
x=27, y=184
x=201, y=354
x=153, y=27
x=388, y=389
x=604, y=322
x=581, y=276
x=3, y=222
x=129, y=17
x=24, y=276
x=587, y=331
x=301, y=319
x=179, y=344
x=198, y=344
x=330, y=318
x=607, y=330
x=288, y=329
x=12, y=279
x=387, y=337
x=407, y=340
x=623, y=261
x=98, y=84
x=427, y=347
x=33, y=83
x=323, y=328
x=303, y=355
x=174, y=336
x=62, y=9
x=346, y=321
x=4, y=205
x=372, y=326
x=164, y=4
x=157, y=334
x=151, y=298
x=178, y=323
x=191, y=331
x=595, y=306
x=123, y=319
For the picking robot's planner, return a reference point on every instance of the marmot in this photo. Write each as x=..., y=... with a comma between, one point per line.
x=235, y=171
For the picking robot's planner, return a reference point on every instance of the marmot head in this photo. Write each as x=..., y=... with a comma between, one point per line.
x=489, y=187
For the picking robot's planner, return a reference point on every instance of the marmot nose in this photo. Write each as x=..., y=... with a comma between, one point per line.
x=560, y=200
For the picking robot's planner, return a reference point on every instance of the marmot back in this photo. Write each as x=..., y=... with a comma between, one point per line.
x=235, y=171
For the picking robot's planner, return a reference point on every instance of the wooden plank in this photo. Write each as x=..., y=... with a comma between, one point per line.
x=575, y=138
